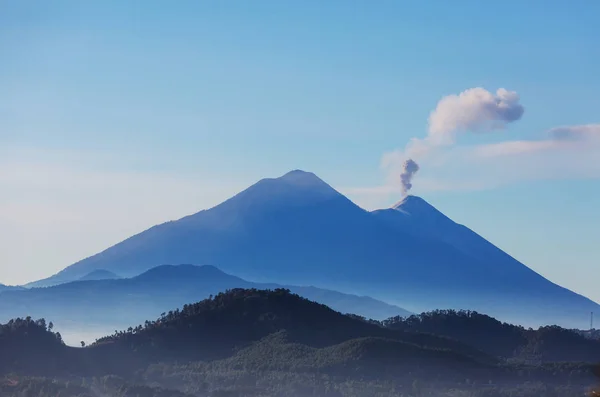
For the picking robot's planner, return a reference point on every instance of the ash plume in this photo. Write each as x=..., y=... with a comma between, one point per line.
x=409, y=169
x=473, y=110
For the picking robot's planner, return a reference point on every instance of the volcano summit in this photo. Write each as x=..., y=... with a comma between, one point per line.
x=296, y=229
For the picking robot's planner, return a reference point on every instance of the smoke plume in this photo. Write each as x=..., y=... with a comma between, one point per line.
x=473, y=110
x=409, y=169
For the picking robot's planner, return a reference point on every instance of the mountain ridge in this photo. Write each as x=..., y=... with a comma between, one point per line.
x=298, y=229
x=4, y=287
x=99, y=274
x=104, y=305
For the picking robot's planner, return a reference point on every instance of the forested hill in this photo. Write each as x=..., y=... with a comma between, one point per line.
x=30, y=345
x=218, y=327
x=546, y=344
x=273, y=342
x=212, y=328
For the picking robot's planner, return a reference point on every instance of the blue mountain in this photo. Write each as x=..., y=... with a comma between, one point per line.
x=99, y=274
x=80, y=308
x=296, y=229
x=8, y=288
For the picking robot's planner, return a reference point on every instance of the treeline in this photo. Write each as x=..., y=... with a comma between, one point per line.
x=516, y=343
x=232, y=308
x=198, y=381
x=18, y=327
x=27, y=344
x=15, y=386
x=247, y=342
x=241, y=316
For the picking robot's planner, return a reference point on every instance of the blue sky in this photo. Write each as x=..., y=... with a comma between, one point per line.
x=114, y=117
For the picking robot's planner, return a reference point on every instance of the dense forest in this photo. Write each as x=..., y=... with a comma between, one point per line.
x=546, y=344
x=248, y=342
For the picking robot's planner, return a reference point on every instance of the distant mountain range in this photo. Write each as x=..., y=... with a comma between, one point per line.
x=110, y=304
x=9, y=288
x=99, y=274
x=298, y=230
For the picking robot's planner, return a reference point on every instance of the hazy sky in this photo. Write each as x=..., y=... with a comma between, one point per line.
x=114, y=117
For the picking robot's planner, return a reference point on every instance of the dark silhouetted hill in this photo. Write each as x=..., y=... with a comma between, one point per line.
x=29, y=345
x=268, y=343
x=546, y=344
x=216, y=327
x=376, y=357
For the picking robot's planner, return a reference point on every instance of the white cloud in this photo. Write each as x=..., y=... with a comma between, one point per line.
x=512, y=148
x=475, y=109
x=586, y=132
x=567, y=152
x=566, y=139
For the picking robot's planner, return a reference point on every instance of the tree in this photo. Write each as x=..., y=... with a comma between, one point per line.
x=416, y=387
x=82, y=344
x=41, y=323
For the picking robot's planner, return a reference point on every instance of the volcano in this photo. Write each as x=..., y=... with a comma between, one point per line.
x=296, y=229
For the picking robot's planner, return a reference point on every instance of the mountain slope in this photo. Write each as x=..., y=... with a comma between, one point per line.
x=28, y=344
x=8, y=288
x=265, y=343
x=376, y=357
x=116, y=303
x=217, y=327
x=284, y=230
x=212, y=329
x=546, y=344
x=99, y=274
x=238, y=328
x=415, y=216
x=298, y=230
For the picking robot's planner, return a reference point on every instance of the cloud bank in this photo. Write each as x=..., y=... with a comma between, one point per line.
x=587, y=132
x=564, y=139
